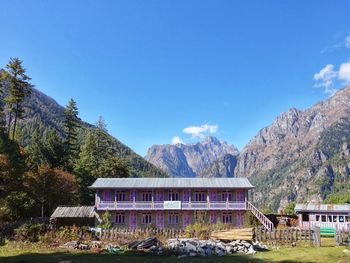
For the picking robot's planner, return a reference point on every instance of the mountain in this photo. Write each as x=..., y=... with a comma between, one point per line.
x=188, y=160
x=43, y=112
x=302, y=156
x=224, y=167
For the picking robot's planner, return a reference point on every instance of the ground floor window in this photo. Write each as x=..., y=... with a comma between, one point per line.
x=332, y=218
x=227, y=218
x=120, y=218
x=305, y=217
x=173, y=218
x=146, y=218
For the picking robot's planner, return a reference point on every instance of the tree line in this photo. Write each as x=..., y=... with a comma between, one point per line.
x=54, y=169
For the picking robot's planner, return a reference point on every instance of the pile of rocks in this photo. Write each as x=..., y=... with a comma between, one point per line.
x=190, y=247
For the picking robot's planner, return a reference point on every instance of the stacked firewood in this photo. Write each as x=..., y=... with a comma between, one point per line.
x=233, y=234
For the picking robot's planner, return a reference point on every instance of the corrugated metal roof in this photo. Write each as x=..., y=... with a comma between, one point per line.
x=311, y=207
x=136, y=183
x=74, y=211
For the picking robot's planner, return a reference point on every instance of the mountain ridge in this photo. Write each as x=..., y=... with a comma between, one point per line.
x=187, y=160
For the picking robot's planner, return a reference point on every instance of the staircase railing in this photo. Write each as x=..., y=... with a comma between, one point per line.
x=260, y=216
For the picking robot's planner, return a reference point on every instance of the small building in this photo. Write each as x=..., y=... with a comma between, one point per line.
x=74, y=215
x=323, y=215
x=175, y=202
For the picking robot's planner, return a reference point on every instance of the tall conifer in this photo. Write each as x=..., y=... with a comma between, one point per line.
x=71, y=124
x=19, y=89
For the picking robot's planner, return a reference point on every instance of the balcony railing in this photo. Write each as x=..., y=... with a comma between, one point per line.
x=193, y=205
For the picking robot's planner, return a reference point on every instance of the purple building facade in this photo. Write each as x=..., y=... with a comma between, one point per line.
x=174, y=202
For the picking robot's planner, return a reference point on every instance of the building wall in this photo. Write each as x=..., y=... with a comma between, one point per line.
x=160, y=219
x=161, y=195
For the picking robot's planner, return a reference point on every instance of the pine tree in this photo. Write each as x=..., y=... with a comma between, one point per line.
x=54, y=149
x=71, y=124
x=19, y=89
x=2, y=114
x=101, y=141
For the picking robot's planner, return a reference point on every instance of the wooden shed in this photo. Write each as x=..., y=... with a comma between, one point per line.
x=74, y=215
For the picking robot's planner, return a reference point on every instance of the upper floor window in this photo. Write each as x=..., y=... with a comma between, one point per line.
x=147, y=196
x=120, y=196
x=227, y=218
x=200, y=196
x=146, y=218
x=107, y=195
x=226, y=195
x=173, y=218
x=120, y=218
x=173, y=196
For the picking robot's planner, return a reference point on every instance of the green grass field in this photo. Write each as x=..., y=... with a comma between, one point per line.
x=36, y=254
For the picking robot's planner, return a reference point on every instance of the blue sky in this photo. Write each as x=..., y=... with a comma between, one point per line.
x=156, y=70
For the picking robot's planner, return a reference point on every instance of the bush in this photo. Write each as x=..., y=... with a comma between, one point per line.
x=106, y=221
x=250, y=220
x=289, y=210
x=29, y=232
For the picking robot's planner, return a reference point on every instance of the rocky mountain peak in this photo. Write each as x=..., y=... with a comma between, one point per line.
x=187, y=160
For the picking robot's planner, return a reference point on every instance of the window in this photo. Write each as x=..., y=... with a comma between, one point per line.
x=120, y=196
x=147, y=196
x=317, y=218
x=173, y=218
x=347, y=219
x=226, y=195
x=341, y=219
x=227, y=218
x=146, y=218
x=335, y=218
x=329, y=218
x=323, y=219
x=305, y=217
x=120, y=218
x=173, y=196
x=200, y=196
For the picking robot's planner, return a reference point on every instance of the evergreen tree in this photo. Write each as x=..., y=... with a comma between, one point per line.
x=2, y=104
x=54, y=149
x=114, y=167
x=101, y=141
x=71, y=124
x=19, y=89
x=36, y=151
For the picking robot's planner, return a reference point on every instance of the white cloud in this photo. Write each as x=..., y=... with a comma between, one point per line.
x=344, y=72
x=177, y=140
x=325, y=79
x=201, y=131
x=347, y=41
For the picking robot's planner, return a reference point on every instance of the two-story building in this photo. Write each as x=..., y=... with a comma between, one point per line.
x=174, y=202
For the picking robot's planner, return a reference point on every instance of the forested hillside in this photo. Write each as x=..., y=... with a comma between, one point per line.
x=48, y=155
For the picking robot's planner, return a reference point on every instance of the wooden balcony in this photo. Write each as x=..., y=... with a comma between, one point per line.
x=193, y=205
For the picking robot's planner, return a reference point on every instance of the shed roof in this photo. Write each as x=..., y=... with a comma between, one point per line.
x=313, y=207
x=74, y=212
x=137, y=183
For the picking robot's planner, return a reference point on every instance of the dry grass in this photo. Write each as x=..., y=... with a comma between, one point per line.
x=36, y=253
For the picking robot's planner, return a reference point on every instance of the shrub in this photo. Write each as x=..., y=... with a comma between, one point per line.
x=106, y=221
x=289, y=210
x=29, y=232
x=250, y=220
